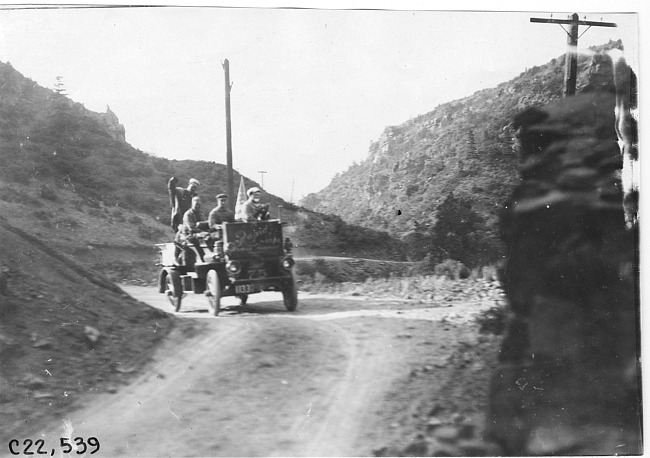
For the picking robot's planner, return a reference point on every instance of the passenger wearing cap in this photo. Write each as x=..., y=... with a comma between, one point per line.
x=193, y=225
x=220, y=213
x=180, y=200
x=252, y=209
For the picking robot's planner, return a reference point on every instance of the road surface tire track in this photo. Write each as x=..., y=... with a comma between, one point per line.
x=268, y=383
x=148, y=399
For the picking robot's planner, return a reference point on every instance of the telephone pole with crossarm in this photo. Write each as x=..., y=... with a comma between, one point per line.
x=571, y=59
x=231, y=181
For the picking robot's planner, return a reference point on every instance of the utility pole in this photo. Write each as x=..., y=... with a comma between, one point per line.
x=262, y=172
x=231, y=183
x=571, y=58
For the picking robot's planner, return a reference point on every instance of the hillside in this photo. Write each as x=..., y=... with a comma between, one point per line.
x=68, y=176
x=66, y=333
x=439, y=180
x=48, y=138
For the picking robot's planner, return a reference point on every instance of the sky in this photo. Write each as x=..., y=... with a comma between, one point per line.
x=311, y=87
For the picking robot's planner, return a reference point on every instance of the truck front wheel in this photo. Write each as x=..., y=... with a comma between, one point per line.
x=290, y=295
x=214, y=291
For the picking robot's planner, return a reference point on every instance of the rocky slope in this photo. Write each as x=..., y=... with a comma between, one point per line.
x=462, y=155
x=66, y=333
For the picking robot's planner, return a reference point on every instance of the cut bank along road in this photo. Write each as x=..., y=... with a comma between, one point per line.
x=259, y=381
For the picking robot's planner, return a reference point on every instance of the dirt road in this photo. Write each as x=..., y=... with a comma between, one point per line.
x=335, y=378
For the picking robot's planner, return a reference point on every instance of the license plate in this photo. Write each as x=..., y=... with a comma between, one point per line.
x=247, y=289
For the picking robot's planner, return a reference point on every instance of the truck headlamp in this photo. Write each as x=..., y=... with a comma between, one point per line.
x=288, y=263
x=233, y=267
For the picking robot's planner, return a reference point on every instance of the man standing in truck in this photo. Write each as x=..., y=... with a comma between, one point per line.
x=180, y=200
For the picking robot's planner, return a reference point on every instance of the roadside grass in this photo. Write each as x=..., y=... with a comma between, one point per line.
x=385, y=278
x=449, y=282
x=424, y=287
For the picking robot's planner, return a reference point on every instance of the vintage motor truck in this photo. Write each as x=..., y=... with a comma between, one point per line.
x=250, y=258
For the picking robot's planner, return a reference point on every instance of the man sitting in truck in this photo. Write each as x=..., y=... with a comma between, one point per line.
x=252, y=209
x=193, y=224
x=219, y=214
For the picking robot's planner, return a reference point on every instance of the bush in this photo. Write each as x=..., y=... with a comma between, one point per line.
x=67, y=222
x=487, y=273
x=463, y=272
x=10, y=195
x=329, y=273
x=15, y=174
x=150, y=233
x=305, y=268
x=319, y=278
x=452, y=270
x=163, y=217
x=493, y=320
x=49, y=194
x=320, y=271
x=92, y=203
x=42, y=215
x=78, y=205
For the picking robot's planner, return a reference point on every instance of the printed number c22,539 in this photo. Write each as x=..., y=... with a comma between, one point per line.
x=66, y=445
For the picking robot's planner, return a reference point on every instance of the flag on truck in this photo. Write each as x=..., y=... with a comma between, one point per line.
x=241, y=198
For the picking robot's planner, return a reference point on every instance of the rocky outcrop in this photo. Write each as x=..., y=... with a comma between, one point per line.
x=568, y=381
x=112, y=124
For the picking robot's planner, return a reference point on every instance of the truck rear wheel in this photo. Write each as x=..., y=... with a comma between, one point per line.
x=214, y=291
x=173, y=289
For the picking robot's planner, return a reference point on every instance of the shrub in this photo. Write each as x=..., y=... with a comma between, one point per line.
x=328, y=272
x=305, y=268
x=463, y=272
x=150, y=233
x=49, y=194
x=78, y=205
x=489, y=273
x=92, y=203
x=67, y=222
x=451, y=269
x=493, y=320
x=412, y=189
x=15, y=174
x=10, y=195
x=42, y=215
